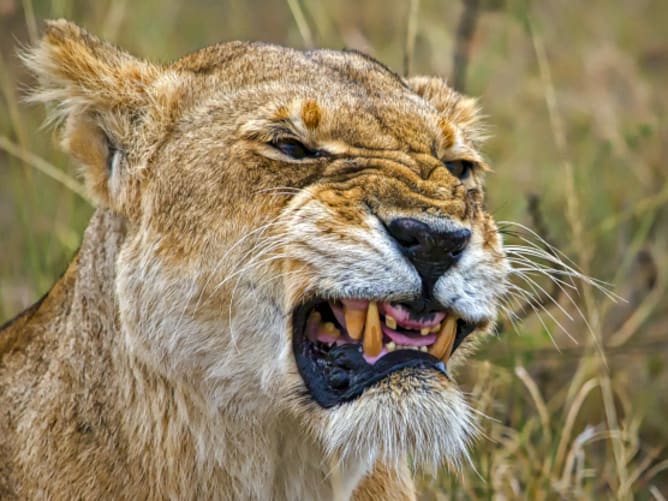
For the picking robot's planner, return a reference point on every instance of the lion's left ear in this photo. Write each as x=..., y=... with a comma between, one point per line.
x=455, y=107
x=108, y=102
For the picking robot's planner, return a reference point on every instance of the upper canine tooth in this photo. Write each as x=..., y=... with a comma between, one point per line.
x=373, y=336
x=354, y=320
x=445, y=339
x=390, y=322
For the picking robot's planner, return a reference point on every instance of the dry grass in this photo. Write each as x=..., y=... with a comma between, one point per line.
x=576, y=96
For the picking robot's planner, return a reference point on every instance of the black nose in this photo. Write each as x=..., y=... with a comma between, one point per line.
x=432, y=250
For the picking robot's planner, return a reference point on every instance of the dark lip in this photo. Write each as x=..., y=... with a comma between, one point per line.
x=341, y=374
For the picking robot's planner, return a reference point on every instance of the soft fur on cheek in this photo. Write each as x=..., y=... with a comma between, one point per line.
x=421, y=416
x=343, y=259
x=189, y=322
x=475, y=285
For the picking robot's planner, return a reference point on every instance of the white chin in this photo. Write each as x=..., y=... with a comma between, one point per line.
x=415, y=415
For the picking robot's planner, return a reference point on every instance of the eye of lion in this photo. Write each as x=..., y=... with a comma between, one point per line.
x=294, y=149
x=459, y=168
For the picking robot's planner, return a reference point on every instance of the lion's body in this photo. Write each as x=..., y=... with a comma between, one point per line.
x=160, y=365
x=80, y=416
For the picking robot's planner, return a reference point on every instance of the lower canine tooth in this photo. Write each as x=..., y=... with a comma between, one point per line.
x=354, y=320
x=445, y=339
x=373, y=336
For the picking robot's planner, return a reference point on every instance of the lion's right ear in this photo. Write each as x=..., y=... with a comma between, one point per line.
x=102, y=97
x=454, y=106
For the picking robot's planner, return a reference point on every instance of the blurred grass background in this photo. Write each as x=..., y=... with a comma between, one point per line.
x=576, y=98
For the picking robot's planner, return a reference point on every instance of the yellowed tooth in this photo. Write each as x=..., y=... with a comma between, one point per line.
x=436, y=328
x=373, y=336
x=425, y=330
x=445, y=339
x=330, y=329
x=391, y=346
x=390, y=322
x=354, y=321
x=423, y=349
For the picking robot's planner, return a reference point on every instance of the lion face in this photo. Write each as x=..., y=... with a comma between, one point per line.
x=306, y=236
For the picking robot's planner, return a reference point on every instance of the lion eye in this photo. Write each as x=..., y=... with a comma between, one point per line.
x=294, y=149
x=459, y=168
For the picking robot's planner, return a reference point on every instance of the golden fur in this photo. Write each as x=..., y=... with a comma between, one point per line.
x=160, y=364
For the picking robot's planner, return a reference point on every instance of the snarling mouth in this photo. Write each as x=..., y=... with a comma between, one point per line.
x=344, y=346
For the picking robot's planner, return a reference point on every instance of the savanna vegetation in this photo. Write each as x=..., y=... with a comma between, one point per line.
x=573, y=391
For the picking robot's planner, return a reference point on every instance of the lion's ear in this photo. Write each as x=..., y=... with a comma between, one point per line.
x=101, y=96
x=455, y=107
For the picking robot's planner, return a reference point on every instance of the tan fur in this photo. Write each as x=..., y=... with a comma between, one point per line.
x=160, y=365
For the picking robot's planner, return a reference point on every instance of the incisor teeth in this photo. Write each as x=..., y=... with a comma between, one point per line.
x=445, y=339
x=390, y=322
x=391, y=346
x=423, y=349
x=354, y=320
x=373, y=336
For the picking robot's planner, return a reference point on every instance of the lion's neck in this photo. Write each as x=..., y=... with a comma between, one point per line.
x=157, y=434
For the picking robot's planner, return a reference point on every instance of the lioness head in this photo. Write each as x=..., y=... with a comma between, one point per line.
x=305, y=233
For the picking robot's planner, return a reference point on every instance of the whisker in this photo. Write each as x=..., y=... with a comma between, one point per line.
x=544, y=242
x=523, y=251
x=529, y=301
x=535, y=287
x=548, y=273
x=255, y=232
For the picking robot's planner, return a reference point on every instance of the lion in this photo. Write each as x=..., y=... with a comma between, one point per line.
x=289, y=258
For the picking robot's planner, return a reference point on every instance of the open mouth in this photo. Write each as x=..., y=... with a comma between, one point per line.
x=344, y=346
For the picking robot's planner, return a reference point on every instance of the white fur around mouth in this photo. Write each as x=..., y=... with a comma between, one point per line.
x=380, y=328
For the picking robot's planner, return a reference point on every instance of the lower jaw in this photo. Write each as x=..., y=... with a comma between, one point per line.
x=411, y=413
x=341, y=374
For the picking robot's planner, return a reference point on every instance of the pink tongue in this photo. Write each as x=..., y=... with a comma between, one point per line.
x=402, y=316
x=400, y=338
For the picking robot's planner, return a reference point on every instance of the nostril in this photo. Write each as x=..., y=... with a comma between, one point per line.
x=431, y=248
x=456, y=241
x=456, y=256
x=407, y=241
x=408, y=233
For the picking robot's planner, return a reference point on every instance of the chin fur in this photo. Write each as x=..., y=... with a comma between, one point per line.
x=409, y=414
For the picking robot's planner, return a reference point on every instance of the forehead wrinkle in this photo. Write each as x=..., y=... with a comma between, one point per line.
x=374, y=112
